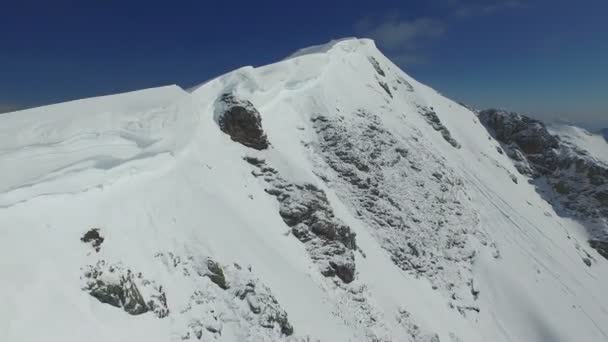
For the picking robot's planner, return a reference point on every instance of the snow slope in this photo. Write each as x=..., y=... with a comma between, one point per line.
x=448, y=246
x=594, y=144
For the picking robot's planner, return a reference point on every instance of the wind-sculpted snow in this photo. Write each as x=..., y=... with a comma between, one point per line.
x=411, y=200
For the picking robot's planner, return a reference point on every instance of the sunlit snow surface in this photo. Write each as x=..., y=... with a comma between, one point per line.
x=595, y=144
x=449, y=248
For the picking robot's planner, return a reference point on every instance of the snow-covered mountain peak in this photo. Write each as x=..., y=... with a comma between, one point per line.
x=349, y=44
x=328, y=196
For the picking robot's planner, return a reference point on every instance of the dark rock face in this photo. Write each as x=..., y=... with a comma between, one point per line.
x=530, y=135
x=432, y=119
x=602, y=197
x=600, y=246
x=605, y=133
x=241, y=120
x=380, y=75
x=374, y=62
x=384, y=86
x=579, y=182
x=119, y=287
x=524, y=139
x=216, y=274
x=94, y=238
x=307, y=211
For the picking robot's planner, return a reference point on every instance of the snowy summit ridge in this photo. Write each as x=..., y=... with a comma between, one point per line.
x=326, y=197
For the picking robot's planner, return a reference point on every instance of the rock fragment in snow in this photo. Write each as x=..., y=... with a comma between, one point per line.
x=94, y=238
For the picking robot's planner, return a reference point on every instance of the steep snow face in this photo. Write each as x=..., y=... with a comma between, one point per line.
x=341, y=201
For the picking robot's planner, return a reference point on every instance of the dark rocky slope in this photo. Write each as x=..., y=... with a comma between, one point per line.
x=574, y=182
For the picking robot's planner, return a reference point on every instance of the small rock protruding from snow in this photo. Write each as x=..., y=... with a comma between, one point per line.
x=216, y=274
x=93, y=238
x=384, y=86
x=376, y=66
x=242, y=121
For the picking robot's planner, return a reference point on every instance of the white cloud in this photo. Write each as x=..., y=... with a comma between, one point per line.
x=401, y=38
x=395, y=33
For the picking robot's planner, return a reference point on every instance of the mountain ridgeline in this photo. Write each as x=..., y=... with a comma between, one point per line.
x=326, y=197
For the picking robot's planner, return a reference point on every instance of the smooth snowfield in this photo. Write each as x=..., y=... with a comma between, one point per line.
x=152, y=170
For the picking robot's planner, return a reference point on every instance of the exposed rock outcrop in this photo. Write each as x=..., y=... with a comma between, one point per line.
x=263, y=304
x=215, y=273
x=525, y=140
x=578, y=183
x=432, y=119
x=306, y=210
x=120, y=287
x=247, y=302
x=600, y=246
x=241, y=120
x=382, y=179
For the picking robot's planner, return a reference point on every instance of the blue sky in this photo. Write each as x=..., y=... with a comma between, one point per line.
x=547, y=58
